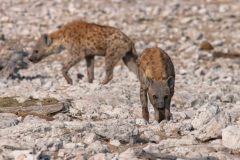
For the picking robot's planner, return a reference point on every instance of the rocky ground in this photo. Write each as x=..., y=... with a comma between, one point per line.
x=104, y=121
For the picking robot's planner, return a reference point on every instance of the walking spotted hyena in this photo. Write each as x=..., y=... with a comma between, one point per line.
x=157, y=78
x=84, y=41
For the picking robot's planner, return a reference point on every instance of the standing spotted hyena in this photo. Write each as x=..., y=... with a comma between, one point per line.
x=84, y=41
x=157, y=77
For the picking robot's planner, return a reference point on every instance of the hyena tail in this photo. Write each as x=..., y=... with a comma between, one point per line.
x=130, y=60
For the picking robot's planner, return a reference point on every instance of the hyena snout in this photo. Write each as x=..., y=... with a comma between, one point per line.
x=34, y=58
x=160, y=115
x=160, y=105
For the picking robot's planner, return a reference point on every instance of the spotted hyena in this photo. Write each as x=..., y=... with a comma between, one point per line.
x=85, y=40
x=157, y=78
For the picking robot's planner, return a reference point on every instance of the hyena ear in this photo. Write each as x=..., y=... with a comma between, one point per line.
x=47, y=39
x=170, y=82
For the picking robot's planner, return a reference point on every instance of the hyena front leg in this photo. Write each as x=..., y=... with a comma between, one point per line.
x=68, y=63
x=144, y=102
x=90, y=68
x=167, y=109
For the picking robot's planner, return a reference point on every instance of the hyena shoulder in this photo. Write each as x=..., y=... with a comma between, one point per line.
x=155, y=64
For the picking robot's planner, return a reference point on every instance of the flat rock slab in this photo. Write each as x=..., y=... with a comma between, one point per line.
x=42, y=111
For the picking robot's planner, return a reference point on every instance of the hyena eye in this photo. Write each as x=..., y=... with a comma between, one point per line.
x=35, y=51
x=155, y=96
x=166, y=97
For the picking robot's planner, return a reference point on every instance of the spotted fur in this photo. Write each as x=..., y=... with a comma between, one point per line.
x=84, y=41
x=157, y=77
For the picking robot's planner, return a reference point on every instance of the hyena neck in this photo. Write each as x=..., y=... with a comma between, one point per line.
x=57, y=35
x=57, y=38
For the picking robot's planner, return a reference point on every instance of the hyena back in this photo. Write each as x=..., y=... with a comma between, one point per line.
x=84, y=41
x=157, y=79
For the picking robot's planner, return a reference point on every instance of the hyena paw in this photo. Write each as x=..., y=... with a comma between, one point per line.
x=105, y=81
x=70, y=81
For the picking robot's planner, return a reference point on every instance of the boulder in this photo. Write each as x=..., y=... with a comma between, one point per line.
x=213, y=129
x=204, y=115
x=231, y=137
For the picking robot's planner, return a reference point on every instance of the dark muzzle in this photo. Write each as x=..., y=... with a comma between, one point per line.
x=34, y=59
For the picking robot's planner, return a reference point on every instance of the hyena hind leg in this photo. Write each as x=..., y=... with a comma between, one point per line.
x=90, y=68
x=109, y=66
x=111, y=59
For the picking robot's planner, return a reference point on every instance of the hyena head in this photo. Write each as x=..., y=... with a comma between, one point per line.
x=44, y=47
x=160, y=95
